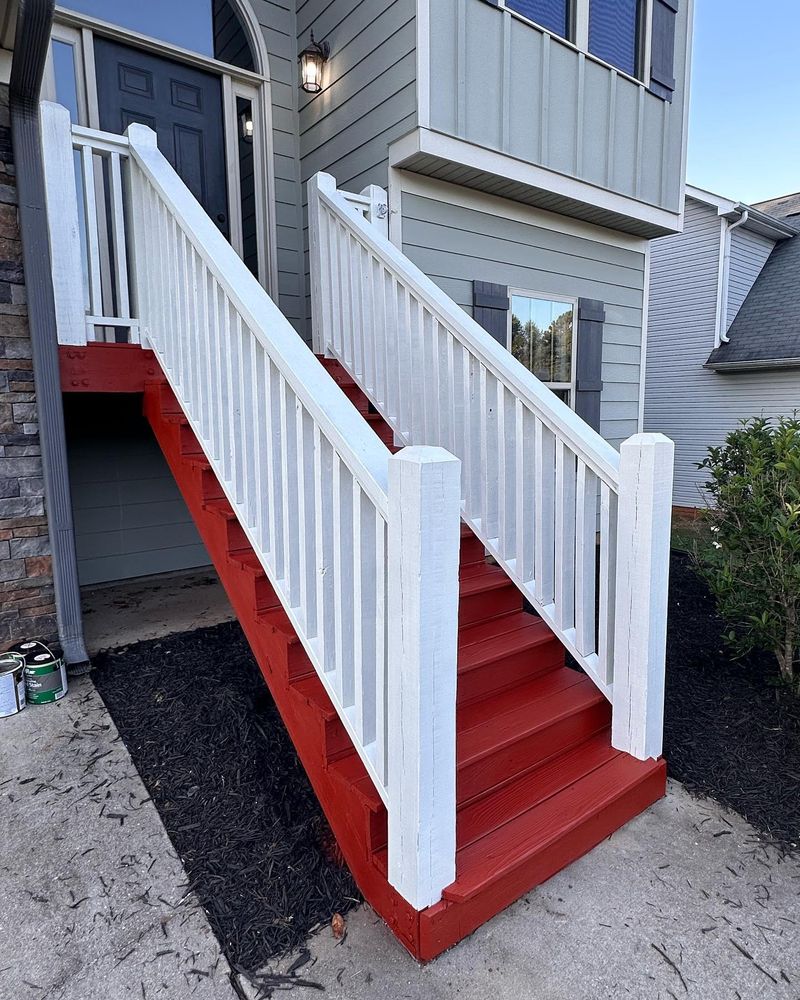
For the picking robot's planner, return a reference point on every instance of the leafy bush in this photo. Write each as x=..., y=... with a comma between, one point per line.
x=753, y=562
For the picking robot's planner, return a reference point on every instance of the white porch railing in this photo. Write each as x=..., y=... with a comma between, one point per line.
x=361, y=546
x=583, y=530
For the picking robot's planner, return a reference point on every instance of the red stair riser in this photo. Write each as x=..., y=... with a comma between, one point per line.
x=510, y=759
x=477, y=607
x=509, y=670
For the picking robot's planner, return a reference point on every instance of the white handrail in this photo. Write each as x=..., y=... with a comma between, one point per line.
x=361, y=546
x=548, y=496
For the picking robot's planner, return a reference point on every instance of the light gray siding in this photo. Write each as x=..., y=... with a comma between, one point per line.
x=277, y=20
x=748, y=255
x=693, y=405
x=130, y=519
x=369, y=98
x=499, y=82
x=455, y=246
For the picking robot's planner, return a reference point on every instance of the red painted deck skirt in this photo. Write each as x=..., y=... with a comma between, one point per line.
x=538, y=782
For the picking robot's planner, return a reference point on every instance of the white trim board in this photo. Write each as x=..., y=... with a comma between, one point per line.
x=408, y=182
x=458, y=151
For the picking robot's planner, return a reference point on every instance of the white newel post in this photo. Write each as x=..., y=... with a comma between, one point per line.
x=320, y=293
x=62, y=219
x=423, y=543
x=640, y=635
x=378, y=213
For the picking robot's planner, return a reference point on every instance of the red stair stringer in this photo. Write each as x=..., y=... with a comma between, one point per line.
x=538, y=782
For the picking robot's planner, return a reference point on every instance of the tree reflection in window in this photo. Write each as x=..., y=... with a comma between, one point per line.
x=541, y=339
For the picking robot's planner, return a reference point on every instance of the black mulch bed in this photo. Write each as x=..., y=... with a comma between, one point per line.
x=198, y=720
x=730, y=732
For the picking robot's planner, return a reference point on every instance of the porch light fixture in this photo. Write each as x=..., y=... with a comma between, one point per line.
x=246, y=125
x=312, y=59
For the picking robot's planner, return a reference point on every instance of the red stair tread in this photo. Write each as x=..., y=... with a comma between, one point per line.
x=472, y=655
x=488, y=857
x=500, y=805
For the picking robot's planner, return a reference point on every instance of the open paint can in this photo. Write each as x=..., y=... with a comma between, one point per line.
x=45, y=673
x=12, y=684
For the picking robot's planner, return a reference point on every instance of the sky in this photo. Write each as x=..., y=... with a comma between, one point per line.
x=744, y=114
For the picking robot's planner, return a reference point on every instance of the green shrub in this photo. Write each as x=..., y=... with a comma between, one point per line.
x=753, y=562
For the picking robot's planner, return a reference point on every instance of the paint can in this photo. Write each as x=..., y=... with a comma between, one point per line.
x=12, y=684
x=45, y=673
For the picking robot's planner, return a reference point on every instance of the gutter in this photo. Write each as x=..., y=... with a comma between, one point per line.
x=743, y=366
x=722, y=335
x=34, y=21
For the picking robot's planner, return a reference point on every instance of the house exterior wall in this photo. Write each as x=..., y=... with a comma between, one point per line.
x=26, y=585
x=500, y=82
x=457, y=238
x=693, y=405
x=130, y=518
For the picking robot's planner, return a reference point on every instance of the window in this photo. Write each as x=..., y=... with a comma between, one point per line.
x=540, y=337
x=615, y=33
x=210, y=27
x=554, y=15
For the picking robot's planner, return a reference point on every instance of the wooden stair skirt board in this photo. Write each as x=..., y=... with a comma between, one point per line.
x=538, y=782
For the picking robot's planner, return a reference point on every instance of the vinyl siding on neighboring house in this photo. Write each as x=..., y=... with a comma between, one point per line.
x=693, y=405
x=456, y=245
x=369, y=98
x=748, y=255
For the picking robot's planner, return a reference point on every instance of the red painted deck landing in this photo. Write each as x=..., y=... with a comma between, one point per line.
x=538, y=781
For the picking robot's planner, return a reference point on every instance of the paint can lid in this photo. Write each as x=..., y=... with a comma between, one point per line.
x=10, y=661
x=33, y=649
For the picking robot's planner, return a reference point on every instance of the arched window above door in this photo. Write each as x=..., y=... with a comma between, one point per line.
x=211, y=27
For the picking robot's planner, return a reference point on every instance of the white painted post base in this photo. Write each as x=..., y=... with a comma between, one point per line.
x=640, y=634
x=423, y=542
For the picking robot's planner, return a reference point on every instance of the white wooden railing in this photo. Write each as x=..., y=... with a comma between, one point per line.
x=361, y=546
x=583, y=530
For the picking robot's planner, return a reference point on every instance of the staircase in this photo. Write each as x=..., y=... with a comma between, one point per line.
x=386, y=591
x=538, y=782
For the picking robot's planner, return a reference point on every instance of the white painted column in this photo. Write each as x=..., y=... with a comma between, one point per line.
x=320, y=293
x=378, y=213
x=62, y=219
x=640, y=634
x=424, y=538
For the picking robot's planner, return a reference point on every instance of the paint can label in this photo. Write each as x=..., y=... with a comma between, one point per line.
x=12, y=685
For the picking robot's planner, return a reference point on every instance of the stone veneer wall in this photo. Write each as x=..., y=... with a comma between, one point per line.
x=26, y=584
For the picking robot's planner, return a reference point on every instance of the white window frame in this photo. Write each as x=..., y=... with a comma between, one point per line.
x=579, y=40
x=549, y=297
x=78, y=30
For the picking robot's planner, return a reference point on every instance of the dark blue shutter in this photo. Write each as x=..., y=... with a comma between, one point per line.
x=490, y=308
x=662, y=56
x=589, y=361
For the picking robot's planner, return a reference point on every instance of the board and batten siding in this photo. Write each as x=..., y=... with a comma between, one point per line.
x=130, y=519
x=748, y=255
x=455, y=245
x=277, y=21
x=693, y=405
x=502, y=83
x=369, y=98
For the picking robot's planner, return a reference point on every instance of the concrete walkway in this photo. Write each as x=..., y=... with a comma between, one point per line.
x=95, y=904
x=686, y=901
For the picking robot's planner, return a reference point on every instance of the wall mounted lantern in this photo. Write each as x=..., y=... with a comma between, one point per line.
x=312, y=59
x=246, y=124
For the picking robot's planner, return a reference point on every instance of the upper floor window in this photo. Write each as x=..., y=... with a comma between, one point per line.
x=210, y=27
x=615, y=33
x=554, y=15
x=540, y=336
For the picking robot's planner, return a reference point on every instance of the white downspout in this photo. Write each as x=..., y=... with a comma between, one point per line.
x=722, y=334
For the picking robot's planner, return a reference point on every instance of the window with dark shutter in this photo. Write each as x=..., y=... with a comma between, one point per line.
x=662, y=55
x=490, y=308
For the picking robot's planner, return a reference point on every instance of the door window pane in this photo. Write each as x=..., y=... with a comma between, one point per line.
x=541, y=337
x=614, y=32
x=244, y=115
x=210, y=27
x=550, y=14
x=66, y=82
